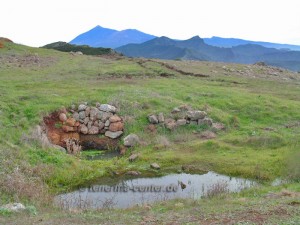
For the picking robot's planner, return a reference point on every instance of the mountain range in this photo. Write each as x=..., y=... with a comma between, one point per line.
x=196, y=49
x=134, y=43
x=109, y=38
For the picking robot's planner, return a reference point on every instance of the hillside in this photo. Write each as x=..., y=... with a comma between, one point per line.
x=196, y=49
x=109, y=38
x=231, y=42
x=255, y=108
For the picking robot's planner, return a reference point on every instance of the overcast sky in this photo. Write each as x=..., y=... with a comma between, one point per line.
x=39, y=22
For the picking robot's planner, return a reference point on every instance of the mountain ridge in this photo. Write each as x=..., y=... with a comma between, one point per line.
x=196, y=49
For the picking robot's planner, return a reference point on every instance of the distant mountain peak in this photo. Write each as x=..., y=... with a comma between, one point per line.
x=109, y=38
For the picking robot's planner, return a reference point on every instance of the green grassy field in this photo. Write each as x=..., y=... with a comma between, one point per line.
x=259, y=107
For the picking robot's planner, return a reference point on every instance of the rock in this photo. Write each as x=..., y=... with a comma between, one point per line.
x=94, y=113
x=87, y=111
x=206, y=121
x=113, y=135
x=118, y=126
x=90, y=124
x=104, y=116
x=218, y=126
x=83, y=129
x=133, y=157
x=155, y=166
x=208, y=135
x=69, y=129
x=96, y=123
x=14, y=207
x=133, y=173
x=170, y=124
x=70, y=122
x=181, y=122
x=176, y=110
x=97, y=104
x=153, y=119
x=131, y=140
x=114, y=119
x=161, y=118
x=76, y=116
x=81, y=107
x=86, y=120
x=73, y=107
x=196, y=115
x=60, y=148
x=101, y=125
x=63, y=117
x=93, y=130
x=82, y=115
x=107, y=108
x=107, y=123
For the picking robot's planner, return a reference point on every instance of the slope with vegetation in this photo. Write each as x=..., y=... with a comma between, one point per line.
x=258, y=104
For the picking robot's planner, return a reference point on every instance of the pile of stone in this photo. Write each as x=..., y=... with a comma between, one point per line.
x=85, y=119
x=182, y=116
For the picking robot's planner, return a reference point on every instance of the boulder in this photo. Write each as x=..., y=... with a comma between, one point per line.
x=70, y=122
x=133, y=157
x=104, y=116
x=82, y=115
x=94, y=113
x=114, y=119
x=118, y=126
x=181, y=122
x=81, y=107
x=76, y=116
x=107, y=123
x=63, y=117
x=170, y=124
x=196, y=115
x=86, y=120
x=101, y=125
x=161, y=118
x=153, y=119
x=77, y=124
x=131, y=140
x=83, y=129
x=133, y=173
x=113, y=135
x=107, y=108
x=155, y=166
x=90, y=124
x=87, y=111
x=206, y=121
x=69, y=128
x=13, y=207
x=93, y=130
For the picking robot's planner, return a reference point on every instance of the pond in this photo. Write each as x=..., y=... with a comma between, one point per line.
x=140, y=191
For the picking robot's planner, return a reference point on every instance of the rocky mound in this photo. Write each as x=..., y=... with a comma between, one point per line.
x=184, y=115
x=85, y=127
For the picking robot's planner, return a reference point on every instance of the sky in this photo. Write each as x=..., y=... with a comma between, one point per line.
x=40, y=22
